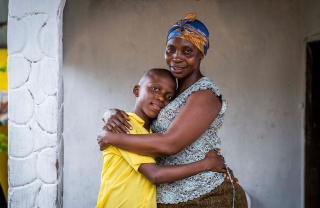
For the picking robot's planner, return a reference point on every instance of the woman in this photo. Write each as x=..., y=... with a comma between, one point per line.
x=187, y=128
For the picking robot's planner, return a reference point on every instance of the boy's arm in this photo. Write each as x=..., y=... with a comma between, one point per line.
x=158, y=174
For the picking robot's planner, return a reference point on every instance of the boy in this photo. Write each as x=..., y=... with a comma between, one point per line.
x=127, y=179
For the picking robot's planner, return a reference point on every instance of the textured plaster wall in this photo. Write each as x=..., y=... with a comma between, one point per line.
x=35, y=97
x=255, y=57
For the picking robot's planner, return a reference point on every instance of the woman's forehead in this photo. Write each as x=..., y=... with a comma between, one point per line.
x=180, y=42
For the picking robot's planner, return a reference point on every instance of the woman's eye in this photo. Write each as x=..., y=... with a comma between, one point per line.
x=170, y=49
x=187, y=51
x=169, y=97
x=155, y=88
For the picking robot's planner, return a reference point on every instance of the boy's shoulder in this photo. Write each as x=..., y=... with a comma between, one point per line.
x=137, y=124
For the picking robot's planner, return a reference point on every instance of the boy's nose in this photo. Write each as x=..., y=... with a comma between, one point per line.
x=160, y=97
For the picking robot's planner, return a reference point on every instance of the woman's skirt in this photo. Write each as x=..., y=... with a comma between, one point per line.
x=220, y=197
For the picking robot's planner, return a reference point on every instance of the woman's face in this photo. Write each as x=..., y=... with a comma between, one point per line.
x=183, y=58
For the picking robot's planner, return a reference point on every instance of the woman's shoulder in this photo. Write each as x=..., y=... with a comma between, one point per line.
x=205, y=83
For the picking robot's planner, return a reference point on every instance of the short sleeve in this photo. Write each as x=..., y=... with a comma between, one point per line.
x=204, y=84
x=136, y=160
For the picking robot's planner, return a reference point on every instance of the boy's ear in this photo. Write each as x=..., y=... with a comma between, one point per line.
x=135, y=90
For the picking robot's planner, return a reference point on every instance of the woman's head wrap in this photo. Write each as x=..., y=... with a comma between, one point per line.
x=192, y=30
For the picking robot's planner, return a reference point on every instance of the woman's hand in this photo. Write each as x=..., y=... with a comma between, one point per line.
x=215, y=162
x=116, y=121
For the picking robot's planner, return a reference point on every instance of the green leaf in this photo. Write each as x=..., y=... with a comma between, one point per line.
x=3, y=143
x=3, y=69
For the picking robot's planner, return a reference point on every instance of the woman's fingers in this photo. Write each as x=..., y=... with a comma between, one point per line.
x=107, y=115
x=121, y=122
x=100, y=140
x=125, y=116
x=109, y=127
x=112, y=128
x=116, y=121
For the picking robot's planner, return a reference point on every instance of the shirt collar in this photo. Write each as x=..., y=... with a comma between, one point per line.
x=138, y=120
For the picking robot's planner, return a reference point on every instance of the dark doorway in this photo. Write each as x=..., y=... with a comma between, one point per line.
x=312, y=133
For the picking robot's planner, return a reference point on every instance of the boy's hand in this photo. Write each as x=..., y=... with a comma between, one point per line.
x=215, y=162
x=232, y=176
x=116, y=121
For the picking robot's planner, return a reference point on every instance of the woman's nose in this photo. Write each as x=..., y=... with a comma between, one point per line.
x=176, y=56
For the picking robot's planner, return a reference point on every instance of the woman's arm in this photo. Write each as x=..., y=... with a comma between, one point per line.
x=158, y=174
x=195, y=117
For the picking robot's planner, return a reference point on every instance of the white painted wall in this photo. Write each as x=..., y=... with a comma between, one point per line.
x=256, y=58
x=35, y=103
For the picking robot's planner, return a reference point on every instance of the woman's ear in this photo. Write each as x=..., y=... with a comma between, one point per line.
x=135, y=90
x=202, y=56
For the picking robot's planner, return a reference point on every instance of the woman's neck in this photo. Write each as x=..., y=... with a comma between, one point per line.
x=184, y=83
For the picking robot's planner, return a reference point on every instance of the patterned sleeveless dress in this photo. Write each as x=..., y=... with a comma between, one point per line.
x=200, y=184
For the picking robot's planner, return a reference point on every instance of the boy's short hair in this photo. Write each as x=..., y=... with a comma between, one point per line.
x=150, y=72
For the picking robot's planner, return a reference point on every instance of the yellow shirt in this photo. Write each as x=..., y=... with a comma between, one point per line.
x=121, y=183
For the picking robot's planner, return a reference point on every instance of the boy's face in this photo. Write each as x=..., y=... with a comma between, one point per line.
x=154, y=93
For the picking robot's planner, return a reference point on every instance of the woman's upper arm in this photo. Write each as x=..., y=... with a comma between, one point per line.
x=200, y=110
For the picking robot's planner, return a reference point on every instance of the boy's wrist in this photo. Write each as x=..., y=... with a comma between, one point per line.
x=206, y=164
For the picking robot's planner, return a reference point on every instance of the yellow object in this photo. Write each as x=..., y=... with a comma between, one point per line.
x=121, y=183
x=3, y=75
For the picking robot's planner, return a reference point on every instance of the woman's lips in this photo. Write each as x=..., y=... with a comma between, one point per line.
x=177, y=69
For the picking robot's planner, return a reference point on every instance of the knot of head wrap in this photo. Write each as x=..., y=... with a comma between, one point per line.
x=192, y=30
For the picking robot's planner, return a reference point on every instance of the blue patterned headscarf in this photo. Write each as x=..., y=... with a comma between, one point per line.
x=192, y=30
